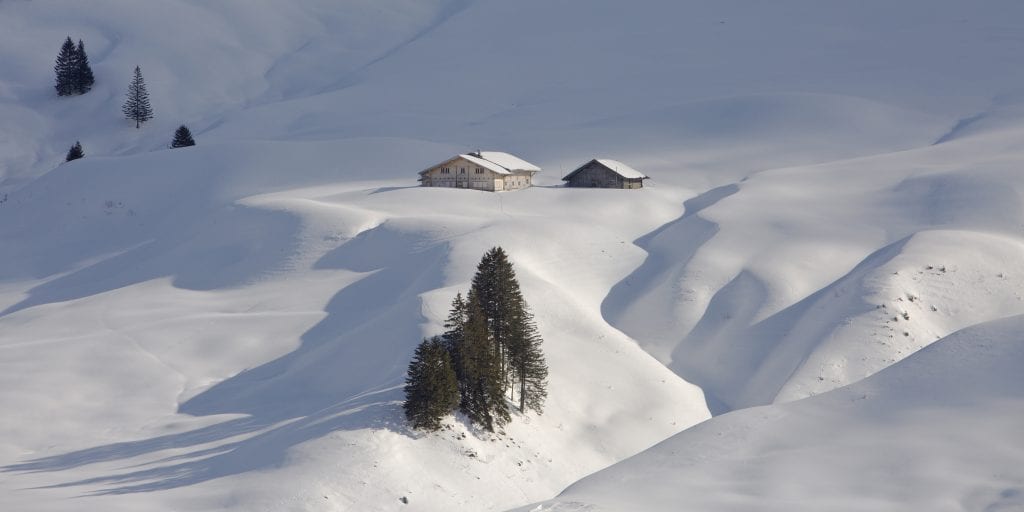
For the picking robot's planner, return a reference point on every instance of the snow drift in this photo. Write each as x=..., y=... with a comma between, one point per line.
x=226, y=327
x=937, y=431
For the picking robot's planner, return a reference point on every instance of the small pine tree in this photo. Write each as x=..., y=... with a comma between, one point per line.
x=75, y=152
x=65, y=68
x=431, y=390
x=136, y=107
x=182, y=138
x=83, y=77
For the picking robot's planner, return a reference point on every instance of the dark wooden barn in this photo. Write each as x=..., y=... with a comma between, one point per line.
x=605, y=173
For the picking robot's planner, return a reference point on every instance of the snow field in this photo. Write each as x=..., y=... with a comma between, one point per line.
x=292, y=383
x=226, y=327
x=914, y=435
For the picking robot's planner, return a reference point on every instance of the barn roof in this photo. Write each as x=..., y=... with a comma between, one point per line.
x=613, y=165
x=497, y=161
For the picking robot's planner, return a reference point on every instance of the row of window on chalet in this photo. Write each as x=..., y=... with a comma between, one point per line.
x=497, y=171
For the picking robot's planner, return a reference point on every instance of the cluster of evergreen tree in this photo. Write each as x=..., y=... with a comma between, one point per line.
x=74, y=76
x=491, y=349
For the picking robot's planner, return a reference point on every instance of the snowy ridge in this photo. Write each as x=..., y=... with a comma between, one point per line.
x=226, y=327
x=964, y=451
x=197, y=279
x=795, y=260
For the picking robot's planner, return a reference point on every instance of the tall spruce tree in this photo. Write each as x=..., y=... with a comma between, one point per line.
x=136, y=107
x=483, y=399
x=83, y=77
x=431, y=390
x=75, y=152
x=497, y=288
x=454, y=335
x=517, y=342
x=182, y=138
x=66, y=68
x=528, y=365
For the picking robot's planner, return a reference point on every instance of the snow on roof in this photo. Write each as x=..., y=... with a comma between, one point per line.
x=497, y=161
x=510, y=162
x=616, y=166
x=620, y=168
x=486, y=164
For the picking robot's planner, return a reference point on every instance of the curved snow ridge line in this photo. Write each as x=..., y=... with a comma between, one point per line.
x=399, y=267
x=895, y=301
x=453, y=9
x=811, y=345
x=779, y=345
x=954, y=404
x=644, y=305
x=323, y=226
x=962, y=125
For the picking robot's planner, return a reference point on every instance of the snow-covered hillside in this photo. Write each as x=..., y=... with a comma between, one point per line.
x=227, y=327
x=937, y=431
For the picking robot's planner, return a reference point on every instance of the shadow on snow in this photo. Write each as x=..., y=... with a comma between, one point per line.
x=347, y=374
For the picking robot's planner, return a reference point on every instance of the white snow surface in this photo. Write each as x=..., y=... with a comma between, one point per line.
x=937, y=431
x=835, y=186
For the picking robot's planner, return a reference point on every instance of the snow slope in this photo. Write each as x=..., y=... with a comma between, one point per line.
x=937, y=431
x=803, y=279
x=226, y=327
x=252, y=329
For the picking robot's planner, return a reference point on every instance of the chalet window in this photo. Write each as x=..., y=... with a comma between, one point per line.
x=479, y=170
x=462, y=170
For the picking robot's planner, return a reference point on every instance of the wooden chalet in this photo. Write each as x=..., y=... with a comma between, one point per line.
x=481, y=170
x=605, y=173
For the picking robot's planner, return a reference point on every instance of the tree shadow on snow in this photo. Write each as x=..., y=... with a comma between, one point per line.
x=347, y=374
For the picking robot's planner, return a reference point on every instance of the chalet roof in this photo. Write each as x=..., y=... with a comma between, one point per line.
x=612, y=165
x=510, y=162
x=486, y=164
x=496, y=161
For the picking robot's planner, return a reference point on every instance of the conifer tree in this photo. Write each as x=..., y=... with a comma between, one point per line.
x=83, y=77
x=528, y=364
x=136, y=107
x=182, y=138
x=75, y=152
x=517, y=342
x=431, y=390
x=65, y=68
x=495, y=284
x=483, y=399
x=453, y=336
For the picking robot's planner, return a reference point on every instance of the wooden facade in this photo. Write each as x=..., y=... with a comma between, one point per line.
x=473, y=171
x=603, y=173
